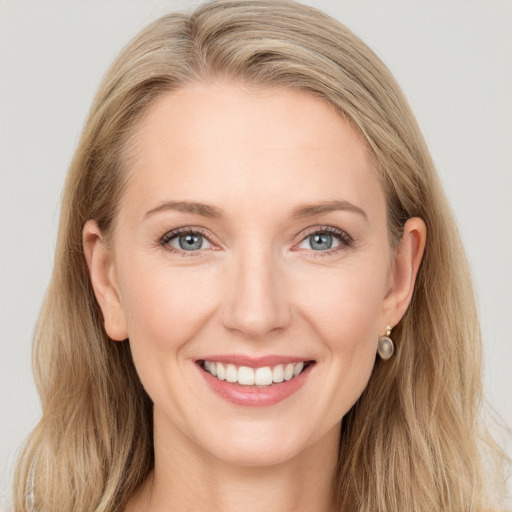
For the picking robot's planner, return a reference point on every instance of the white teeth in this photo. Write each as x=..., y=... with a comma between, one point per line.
x=288, y=371
x=221, y=372
x=231, y=374
x=246, y=376
x=278, y=373
x=263, y=376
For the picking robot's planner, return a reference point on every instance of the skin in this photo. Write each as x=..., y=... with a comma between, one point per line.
x=257, y=287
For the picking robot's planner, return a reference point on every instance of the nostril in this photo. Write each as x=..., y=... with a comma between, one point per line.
x=257, y=306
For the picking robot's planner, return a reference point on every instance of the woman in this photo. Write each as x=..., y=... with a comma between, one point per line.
x=251, y=217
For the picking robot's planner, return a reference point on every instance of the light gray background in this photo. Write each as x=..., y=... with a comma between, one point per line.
x=453, y=59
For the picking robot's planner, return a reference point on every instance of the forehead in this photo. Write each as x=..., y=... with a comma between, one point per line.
x=224, y=141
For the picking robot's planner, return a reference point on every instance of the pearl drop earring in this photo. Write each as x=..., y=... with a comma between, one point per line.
x=385, y=346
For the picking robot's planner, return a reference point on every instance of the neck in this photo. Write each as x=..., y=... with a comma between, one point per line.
x=187, y=479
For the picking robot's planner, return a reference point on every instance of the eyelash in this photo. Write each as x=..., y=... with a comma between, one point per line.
x=346, y=241
x=164, y=241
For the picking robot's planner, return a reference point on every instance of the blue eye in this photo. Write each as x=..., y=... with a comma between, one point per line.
x=325, y=239
x=321, y=241
x=189, y=241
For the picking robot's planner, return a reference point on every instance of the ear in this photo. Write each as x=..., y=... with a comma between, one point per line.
x=104, y=282
x=403, y=273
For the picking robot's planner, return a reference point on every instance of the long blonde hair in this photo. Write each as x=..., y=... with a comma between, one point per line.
x=411, y=442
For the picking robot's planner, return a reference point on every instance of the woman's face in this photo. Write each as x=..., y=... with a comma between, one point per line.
x=251, y=236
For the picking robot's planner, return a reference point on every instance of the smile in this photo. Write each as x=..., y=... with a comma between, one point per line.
x=247, y=376
x=253, y=382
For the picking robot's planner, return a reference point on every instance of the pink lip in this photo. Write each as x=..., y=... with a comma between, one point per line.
x=250, y=396
x=254, y=362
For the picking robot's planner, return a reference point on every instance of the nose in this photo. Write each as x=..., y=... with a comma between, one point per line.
x=256, y=302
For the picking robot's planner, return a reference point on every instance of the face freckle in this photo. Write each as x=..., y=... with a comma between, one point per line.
x=290, y=260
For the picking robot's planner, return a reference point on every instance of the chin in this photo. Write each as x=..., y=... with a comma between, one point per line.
x=247, y=453
x=259, y=444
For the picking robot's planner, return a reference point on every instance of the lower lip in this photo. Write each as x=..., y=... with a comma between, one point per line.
x=253, y=396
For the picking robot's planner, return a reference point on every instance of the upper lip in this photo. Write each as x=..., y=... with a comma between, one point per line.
x=254, y=362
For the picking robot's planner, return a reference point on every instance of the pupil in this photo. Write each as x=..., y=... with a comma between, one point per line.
x=321, y=241
x=189, y=242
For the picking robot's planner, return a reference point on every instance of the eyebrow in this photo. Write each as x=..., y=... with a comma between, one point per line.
x=300, y=212
x=205, y=210
x=311, y=209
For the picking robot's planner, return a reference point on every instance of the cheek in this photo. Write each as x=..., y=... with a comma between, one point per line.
x=353, y=353
x=165, y=307
x=345, y=303
x=344, y=313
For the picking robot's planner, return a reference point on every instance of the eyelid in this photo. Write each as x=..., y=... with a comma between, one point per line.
x=164, y=240
x=346, y=241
